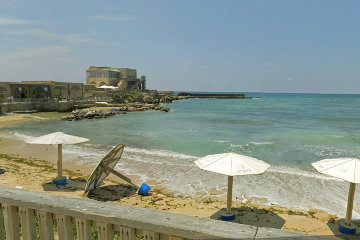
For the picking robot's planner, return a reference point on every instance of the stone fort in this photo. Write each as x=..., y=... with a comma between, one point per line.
x=123, y=78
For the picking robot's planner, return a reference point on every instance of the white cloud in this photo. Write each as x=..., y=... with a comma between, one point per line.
x=116, y=19
x=67, y=37
x=204, y=67
x=15, y=21
x=33, y=53
x=268, y=64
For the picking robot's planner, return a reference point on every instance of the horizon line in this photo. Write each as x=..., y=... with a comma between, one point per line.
x=328, y=93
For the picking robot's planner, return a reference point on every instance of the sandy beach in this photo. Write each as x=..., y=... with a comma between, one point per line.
x=33, y=166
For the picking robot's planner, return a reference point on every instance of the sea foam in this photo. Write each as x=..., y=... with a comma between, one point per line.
x=286, y=186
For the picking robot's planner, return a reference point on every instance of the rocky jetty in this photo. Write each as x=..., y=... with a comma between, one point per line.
x=159, y=108
x=82, y=115
x=112, y=110
x=136, y=107
x=140, y=97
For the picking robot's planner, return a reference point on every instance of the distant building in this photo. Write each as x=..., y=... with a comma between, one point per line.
x=41, y=89
x=123, y=78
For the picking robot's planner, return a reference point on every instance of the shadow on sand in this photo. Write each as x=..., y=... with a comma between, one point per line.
x=265, y=220
x=73, y=184
x=254, y=217
x=112, y=192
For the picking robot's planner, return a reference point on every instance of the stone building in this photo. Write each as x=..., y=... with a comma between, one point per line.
x=41, y=89
x=123, y=78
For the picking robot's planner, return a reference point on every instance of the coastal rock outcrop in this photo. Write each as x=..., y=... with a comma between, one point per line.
x=112, y=110
x=82, y=115
x=142, y=97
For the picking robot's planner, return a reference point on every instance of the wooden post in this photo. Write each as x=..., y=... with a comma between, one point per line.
x=11, y=220
x=125, y=233
x=151, y=235
x=2, y=228
x=28, y=225
x=59, y=161
x=45, y=225
x=83, y=227
x=64, y=227
x=105, y=231
x=350, y=203
x=229, y=194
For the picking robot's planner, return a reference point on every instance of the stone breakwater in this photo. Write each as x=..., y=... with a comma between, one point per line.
x=83, y=115
x=109, y=110
x=55, y=105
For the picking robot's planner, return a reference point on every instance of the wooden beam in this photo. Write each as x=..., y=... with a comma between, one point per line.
x=265, y=233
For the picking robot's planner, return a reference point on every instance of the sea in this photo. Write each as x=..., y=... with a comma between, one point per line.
x=288, y=131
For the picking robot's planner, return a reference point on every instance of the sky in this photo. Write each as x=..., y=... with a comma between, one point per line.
x=185, y=45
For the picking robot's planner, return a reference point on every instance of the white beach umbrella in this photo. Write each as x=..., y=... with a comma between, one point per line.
x=58, y=138
x=347, y=169
x=231, y=164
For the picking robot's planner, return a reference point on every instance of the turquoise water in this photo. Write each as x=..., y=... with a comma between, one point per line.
x=289, y=131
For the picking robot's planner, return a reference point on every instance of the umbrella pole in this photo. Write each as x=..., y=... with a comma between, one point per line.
x=59, y=162
x=350, y=203
x=229, y=194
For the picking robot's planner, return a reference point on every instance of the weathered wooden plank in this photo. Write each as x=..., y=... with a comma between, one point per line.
x=151, y=235
x=46, y=225
x=125, y=233
x=28, y=224
x=272, y=233
x=105, y=231
x=163, y=236
x=2, y=227
x=175, y=238
x=64, y=227
x=83, y=227
x=11, y=220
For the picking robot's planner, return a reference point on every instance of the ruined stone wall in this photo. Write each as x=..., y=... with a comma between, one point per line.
x=41, y=107
x=5, y=90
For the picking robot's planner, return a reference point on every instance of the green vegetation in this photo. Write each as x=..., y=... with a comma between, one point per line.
x=12, y=160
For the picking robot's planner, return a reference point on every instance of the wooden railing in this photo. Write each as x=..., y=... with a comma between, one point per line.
x=34, y=215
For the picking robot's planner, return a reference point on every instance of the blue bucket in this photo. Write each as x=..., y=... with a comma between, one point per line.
x=351, y=230
x=60, y=182
x=227, y=216
x=144, y=189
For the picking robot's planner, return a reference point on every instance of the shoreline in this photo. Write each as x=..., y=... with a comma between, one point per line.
x=313, y=221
